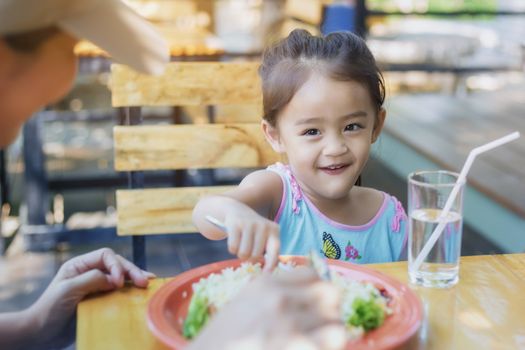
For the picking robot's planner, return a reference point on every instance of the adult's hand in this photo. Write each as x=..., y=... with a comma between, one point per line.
x=97, y=271
x=290, y=310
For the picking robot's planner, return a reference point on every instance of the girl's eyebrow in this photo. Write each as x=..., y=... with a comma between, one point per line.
x=357, y=114
x=308, y=121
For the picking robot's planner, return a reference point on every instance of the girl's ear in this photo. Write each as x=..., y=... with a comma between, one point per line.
x=272, y=136
x=380, y=121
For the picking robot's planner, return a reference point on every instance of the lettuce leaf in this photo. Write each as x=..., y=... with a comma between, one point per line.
x=197, y=318
x=367, y=314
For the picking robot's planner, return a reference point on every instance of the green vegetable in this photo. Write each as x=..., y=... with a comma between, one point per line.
x=367, y=314
x=197, y=316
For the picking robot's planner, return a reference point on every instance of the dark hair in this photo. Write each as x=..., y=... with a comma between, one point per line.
x=30, y=41
x=287, y=65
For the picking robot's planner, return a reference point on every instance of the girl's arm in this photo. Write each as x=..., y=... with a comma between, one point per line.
x=258, y=193
x=247, y=211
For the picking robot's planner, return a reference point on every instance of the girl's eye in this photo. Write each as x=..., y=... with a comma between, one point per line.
x=311, y=132
x=353, y=127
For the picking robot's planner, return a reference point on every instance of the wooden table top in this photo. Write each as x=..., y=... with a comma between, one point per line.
x=485, y=310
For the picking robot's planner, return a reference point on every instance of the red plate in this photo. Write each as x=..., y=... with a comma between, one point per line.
x=168, y=307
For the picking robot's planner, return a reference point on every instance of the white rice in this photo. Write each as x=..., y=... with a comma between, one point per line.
x=220, y=288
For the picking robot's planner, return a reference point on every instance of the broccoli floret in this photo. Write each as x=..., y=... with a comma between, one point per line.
x=197, y=316
x=367, y=314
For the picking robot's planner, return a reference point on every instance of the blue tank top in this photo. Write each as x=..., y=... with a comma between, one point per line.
x=303, y=228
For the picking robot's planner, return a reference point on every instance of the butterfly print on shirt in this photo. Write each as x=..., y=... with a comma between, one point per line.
x=330, y=248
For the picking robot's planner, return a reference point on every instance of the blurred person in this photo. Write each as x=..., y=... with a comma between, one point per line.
x=38, y=67
x=38, y=64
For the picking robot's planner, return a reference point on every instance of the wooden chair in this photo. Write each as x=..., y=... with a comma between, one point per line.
x=140, y=148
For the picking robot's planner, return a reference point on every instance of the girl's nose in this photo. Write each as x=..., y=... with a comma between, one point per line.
x=335, y=146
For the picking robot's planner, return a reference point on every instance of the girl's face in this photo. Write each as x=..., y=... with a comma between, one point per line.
x=29, y=81
x=326, y=131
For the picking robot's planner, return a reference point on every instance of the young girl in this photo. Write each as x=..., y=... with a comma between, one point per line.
x=322, y=99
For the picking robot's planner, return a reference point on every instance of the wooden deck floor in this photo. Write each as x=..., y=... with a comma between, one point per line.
x=445, y=128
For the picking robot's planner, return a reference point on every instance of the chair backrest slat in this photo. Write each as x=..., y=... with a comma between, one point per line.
x=159, y=210
x=187, y=84
x=243, y=113
x=162, y=147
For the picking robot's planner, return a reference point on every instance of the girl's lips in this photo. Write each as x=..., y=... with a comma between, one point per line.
x=334, y=170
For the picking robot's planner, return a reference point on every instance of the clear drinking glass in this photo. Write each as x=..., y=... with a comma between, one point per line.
x=428, y=192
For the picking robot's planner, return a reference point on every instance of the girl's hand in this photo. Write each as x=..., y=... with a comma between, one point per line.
x=250, y=235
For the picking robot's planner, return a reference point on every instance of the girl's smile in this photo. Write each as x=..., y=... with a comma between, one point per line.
x=335, y=169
